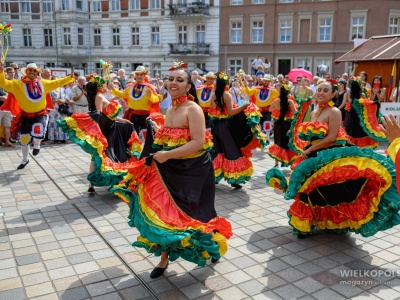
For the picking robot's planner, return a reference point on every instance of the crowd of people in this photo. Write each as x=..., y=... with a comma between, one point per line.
x=162, y=145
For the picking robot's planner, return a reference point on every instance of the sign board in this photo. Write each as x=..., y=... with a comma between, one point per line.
x=390, y=108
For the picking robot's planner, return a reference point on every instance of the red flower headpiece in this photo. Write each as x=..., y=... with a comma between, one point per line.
x=178, y=65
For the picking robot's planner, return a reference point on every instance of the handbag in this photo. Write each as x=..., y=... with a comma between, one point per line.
x=64, y=109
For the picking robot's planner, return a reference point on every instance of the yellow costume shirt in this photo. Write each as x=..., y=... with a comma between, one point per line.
x=137, y=97
x=261, y=97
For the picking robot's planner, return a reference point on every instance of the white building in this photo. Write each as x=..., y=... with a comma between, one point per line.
x=153, y=33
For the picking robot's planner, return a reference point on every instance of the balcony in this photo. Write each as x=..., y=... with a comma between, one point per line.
x=190, y=49
x=193, y=9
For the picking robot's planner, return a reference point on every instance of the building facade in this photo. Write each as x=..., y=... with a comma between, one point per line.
x=129, y=33
x=300, y=33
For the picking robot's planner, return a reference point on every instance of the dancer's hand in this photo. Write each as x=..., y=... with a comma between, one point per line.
x=1, y=67
x=390, y=127
x=161, y=156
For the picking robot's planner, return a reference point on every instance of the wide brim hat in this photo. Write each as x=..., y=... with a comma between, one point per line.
x=268, y=77
x=210, y=75
x=31, y=66
x=141, y=69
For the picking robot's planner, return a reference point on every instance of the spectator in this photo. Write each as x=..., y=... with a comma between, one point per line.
x=79, y=96
x=322, y=69
x=55, y=133
x=257, y=62
x=260, y=71
x=15, y=68
x=267, y=65
x=196, y=78
x=122, y=78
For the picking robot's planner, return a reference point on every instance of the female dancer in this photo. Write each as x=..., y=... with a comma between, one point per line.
x=361, y=121
x=337, y=188
x=342, y=98
x=112, y=141
x=233, y=138
x=282, y=110
x=171, y=193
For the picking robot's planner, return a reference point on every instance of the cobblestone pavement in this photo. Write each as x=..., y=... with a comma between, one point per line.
x=59, y=242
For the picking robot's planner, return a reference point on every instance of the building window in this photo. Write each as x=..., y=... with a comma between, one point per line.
x=25, y=6
x=303, y=63
x=48, y=37
x=96, y=5
x=258, y=1
x=236, y=32
x=234, y=65
x=155, y=4
x=117, y=65
x=200, y=34
x=64, y=4
x=81, y=34
x=237, y=2
x=135, y=4
x=27, y=37
x=156, y=67
x=285, y=1
x=357, y=27
x=285, y=30
x=79, y=5
x=114, y=5
x=97, y=37
x=155, y=36
x=135, y=36
x=47, y=6
x=201, y=66
x=50, y=64
x=325, y=29
x=257, y=32
x=182, y=34
x=116, y=37
x=394, y=25
x=67, y=36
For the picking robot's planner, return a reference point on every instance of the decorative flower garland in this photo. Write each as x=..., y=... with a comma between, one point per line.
x=5, y=29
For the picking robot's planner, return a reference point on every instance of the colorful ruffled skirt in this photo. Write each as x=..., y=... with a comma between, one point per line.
x=114, y=146
x=341, y=189
x=234, y=139
x=172, y=206
x=279, y=150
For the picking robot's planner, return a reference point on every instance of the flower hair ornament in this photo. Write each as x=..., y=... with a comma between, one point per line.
x=223, y=76
x=97, y=80
x=5, y=30
x=105, y=69
x=358, y=79
x=178, y=65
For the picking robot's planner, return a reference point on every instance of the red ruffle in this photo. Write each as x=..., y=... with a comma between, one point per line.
x=242, y=164
x=284, y=155
x=363, y=142
x=355, y=211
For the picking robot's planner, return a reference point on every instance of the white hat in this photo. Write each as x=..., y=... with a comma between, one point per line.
x=268, y=77
x=141, y=69
x=210, y=74
x=31, y=66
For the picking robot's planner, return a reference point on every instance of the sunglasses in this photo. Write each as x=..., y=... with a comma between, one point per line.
x=16, y=68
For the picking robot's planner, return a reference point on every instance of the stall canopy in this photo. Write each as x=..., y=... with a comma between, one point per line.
x=376, y=48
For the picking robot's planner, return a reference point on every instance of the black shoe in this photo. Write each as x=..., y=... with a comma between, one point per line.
x=157, y=271
x=213, y=260
x=236, y=186
x=35, y=152
x=91, y=189
x=21, y=166
x=302, y=236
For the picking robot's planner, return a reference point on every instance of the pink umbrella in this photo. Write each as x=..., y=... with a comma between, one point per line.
x=294, y=73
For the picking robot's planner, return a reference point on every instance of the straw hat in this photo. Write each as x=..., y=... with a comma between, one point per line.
x=210, y=75
x=141, y=69
x=31, y=66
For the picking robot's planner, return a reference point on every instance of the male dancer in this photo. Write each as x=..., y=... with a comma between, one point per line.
x=262, y=96
x=141, y=97
x=204, y=93
x=30, y=98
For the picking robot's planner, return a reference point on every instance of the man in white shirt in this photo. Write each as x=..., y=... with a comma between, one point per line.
x=322, y=70
x=196, y=78
x=257, y=62
x=78, y=93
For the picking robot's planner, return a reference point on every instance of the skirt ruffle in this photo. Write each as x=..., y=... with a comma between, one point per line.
x=341, y=189
x=163, y=225
x=86, y=133
x=285, y=156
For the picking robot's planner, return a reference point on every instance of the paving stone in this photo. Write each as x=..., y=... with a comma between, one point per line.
x=39, y=290
x=124, y=282
x=327, y=294
x=92, y=277
x=33, y=279
x=31, y=268
x=28, y=259
x=74, y=294
x=287, y=291
x=309, y=285
x=252, y=287
x=14, y=294
x=237, y=277
x=100, y=288
x=79, y=258
x=232, y=293
x=139, y=291
x=10, y=284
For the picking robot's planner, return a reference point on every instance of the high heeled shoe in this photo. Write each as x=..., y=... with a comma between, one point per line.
x=158, y=271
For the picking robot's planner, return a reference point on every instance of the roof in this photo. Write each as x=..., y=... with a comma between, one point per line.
x=385, y=47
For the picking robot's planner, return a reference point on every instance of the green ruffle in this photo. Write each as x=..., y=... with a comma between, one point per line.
x=359, y=108
x=301, y=112
x=232, y=180
x=98, y=177
x=168, y=241
x=278, y=174
x=387, y=215
x=253, y=121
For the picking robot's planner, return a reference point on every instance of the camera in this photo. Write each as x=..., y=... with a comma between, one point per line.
x=84, y=87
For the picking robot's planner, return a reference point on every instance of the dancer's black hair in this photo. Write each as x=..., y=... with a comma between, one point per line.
x=355, y=90
x=91, y=91
x=219, y=92
x=284, y=103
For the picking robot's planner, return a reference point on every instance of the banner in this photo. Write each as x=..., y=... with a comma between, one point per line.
x=390, y=108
